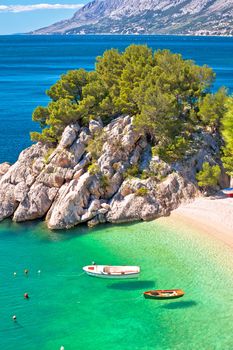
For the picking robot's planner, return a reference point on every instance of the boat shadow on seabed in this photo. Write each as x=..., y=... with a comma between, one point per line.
x=132, y=285
x=180, y=305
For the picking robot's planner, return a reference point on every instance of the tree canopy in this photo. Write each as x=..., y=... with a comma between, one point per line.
x=209, y=175
x=227, y=132
x=155, y=87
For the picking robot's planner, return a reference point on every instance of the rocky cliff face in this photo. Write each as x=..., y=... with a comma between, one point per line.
x=194, y=17
x=61, y=187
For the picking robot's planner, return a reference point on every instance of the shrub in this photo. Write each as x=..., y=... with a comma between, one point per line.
x=95, y=145
x=227, y=132
x=141, y=192
x=104, y=181
x=48, y=154
x=145, y=174
x=173, y=151
x=93, y=169
x=132, y=171
x=209, y=175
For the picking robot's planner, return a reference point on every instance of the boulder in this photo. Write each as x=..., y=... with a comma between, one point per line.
x=20, y=191
x=8, y=202
x=78, y=150
x=69, y=135
x=35, y=204
x=105, y=205
x=16, y=182
x=4, y=167
x=95, y=126
x=133, y=208
x=94, y=205
x=84, y=162
x=103, y=211
x=70, y=204
x=94, y=222
x=159, y=201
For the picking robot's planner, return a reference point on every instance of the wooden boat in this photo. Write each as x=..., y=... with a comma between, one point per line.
x=228, y=192
x=106, y=271
x=164, y=294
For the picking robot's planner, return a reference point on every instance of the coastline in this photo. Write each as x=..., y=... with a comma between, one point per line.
x=212, y=216
x=121, y=35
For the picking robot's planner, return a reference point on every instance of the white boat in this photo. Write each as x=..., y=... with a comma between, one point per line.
x=106, y=271
x=228, y=191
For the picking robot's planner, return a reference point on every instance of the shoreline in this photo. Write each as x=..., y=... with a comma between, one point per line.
x=212, y=216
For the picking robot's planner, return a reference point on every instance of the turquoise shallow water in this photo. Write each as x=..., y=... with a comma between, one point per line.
x=79, y=312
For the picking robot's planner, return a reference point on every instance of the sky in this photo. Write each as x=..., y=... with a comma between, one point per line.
x=22, y=16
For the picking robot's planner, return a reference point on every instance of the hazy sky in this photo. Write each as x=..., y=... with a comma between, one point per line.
x=21, y=16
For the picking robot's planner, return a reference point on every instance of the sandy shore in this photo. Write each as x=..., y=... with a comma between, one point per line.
x=211, y=215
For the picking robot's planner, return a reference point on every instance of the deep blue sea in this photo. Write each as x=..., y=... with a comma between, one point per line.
x=30, y=64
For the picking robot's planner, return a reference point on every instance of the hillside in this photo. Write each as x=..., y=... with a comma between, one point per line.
x=190, y=17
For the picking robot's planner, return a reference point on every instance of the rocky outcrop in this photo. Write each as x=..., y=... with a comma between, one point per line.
x=16, y=182
x=131, y=204
x=79, y=200
x=67, y=186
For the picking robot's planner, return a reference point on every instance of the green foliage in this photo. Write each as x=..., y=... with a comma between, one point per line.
x=174, y=151
x=141, y=192
x=40, y=115
x=93, y=169
x=95, y=145
x=48, y=154
x=212, y=108
x=48, y=135
x=146, y=174
x=67, y=106
x=69, y=86
x=227, y=132
x=132, y=171
x=104, y=181
x=209, y=175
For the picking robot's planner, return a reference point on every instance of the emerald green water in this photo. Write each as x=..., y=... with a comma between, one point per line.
x=79, y=312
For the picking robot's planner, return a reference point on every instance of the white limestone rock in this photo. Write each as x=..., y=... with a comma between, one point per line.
x=35, y=204
x=95, y=126
x=69, y=135
x=4, y=167
x=70, y=204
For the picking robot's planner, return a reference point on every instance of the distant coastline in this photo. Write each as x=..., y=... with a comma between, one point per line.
x=130, y=35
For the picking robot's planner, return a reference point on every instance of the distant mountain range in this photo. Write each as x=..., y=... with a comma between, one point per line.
x=190, y=17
